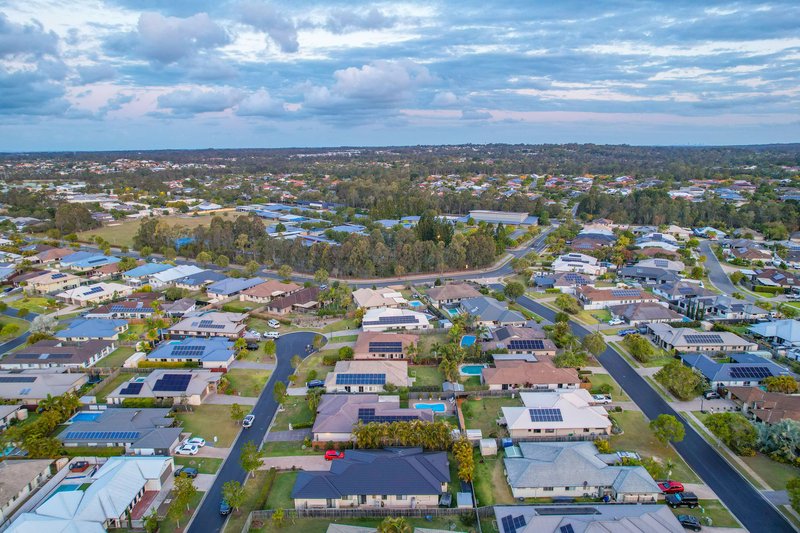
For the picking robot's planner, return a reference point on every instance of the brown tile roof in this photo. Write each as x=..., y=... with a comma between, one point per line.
x=270, y=287
x=453, y=291
x=302, y=296
x=366, y=337
x=523, y=373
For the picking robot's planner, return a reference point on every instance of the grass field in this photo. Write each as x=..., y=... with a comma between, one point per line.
x=295, y=411
x=617, y=394
x=23, y=325
x=483, y=414
x=204, y=465
x=208, y=421
x=116, y=358
x=713, y=509
x=426, y=375
x=280, y=494
x=35, y=304
x=108, y=385
x=491, y=487
x=313, y=362
x=248, y=382
x=426, y=342
x=347, y=323
x=344, y=338
x=639, y=438
x=286, y=448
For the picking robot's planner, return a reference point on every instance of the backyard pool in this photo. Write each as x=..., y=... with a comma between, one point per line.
x=452, y=312
x=437, y=407
x=85, y=416
x=467, y=341
x=472, y=370
x=64, y=488
x=415, y=303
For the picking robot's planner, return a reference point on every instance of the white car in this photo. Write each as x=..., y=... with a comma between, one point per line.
x=602, y=398
x=248, y=421
x=273, y=323
x=187, y=449
x=615, y=322
x=271, y=334
x=196, y=441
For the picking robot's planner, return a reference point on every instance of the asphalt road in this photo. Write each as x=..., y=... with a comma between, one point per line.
x=744, y=501
x=717, y=275
x=207, y=518
x=13, y=343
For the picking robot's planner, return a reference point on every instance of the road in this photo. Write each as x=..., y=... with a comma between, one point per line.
x=744, y=501
x=13, y=343
x=717, y=275
x=207, y=518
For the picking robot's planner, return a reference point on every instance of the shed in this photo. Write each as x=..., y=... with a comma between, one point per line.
x=474, y=435
x=488, y=447
x=464, y=500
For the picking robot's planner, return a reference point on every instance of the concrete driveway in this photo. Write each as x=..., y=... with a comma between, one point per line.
x=302, y=462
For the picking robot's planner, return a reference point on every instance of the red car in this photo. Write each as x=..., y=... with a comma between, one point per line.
x=330, y=455
x=670, y=487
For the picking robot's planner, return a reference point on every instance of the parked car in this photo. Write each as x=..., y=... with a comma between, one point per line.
x=627, y=331
x=271, y=335
x=711, y=395
x=315, y=384
x=670, y=487
x=248, y=421
x=331, y=455
x=689, y=522
x=682, y=499
x=224, y=508
x=197, y=441
x=602, y=398
x=187, y=449
x=79, y=466
x=323, y=287
x=615, y=322
x=273, y=323
x=187, y=470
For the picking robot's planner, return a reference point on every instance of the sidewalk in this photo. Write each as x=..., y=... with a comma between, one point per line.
x=250, y=365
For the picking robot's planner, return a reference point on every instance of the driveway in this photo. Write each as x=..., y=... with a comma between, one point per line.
x=292, y=435
x=212, y=451
x=229, y=399
x=250, y=365
x=300, y=462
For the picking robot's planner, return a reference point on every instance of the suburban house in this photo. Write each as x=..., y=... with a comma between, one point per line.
x=689, y=340
x=212, y=352
x=51, y=255
x=146, y=431
x=94, y=294
x=133, y=307
x=748, y=251
x=229, y=287
x=302, y=300
x=375, y=298
x=29, y=387
x=644, y=313
x=338, y=413
x=48, y=282
x=658, y=240
x=268, y=291
x=386, y=319
x=591, y=298
x=405, y=478
x=592, y=240
x=172, y=275
x=84, y=329
x=19, y=478
x=199, y=280
x=569, y=413
x=179, y=308
x=666, y=264
x=183, y=386
x=50, y=353
x=211, y=324
x=567, y=282
x=781, y=332
x=587, y=518
x=746, y=370
x=576, y=262
x=650, y=275
x=540, y=375
x=452, y=293
x=771, y=277
x=519, y=341
x=767, y=407
x=681, y=290
x=377, y=345
x=108, y=501
x=366, y=376
x=141, y=274
x=491, y=313
x=87, y=261
x=576, y=469
x=722, y=307
x=10, y=413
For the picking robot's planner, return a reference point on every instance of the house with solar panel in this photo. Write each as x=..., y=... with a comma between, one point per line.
x=141, y=275
x=367, y=376
x=492, y=313
x=48, y=282
x=684, y=340
x=211, y=324
x=386, y=319
x=84, y=329
x=29, y=387
x=666, y=264
x=181, y=386
x=94, y=294
x=681, y=290
x=591, y=298
x=515, y=340
x=229, y=287
x=771, y=277
x=338, y=413
x=549, y=415
x=452, y=293
x=172, y=275
x=213, y=352
x=401, y=478
x=580, y=263
x=644, y=313
x=199, y=280
x=576, y=469
x=138, y=306
x=744, y=370
x=587, y=518
x=56, y=353
x=538, y=375
x=649, y=275
x=779, y=332
x=567, y=282
x=377, y=345
x=146, y=431
x=722, y=307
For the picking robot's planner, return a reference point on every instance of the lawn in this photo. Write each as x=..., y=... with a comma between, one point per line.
x=286, y=448
x=713, y=509
x=237, y=306
x=23, y=325
x=491, y=486
x=248, y=382
x=280, y=493
x=426, y=376
x=204, y=465
x=639, y=438
x=482, y=414
x=134, y=333
x=108, y=385
x=426, y=342
x=320, y=525
x=295, y=411
x=116, y=358
x=168, y=525
x=616, y=393
x=344, y=338
x=252, y=490
x=586, y=317
x=348, y=323
x=35, y=304
x=208, y=421
x=775, y=473
x=313, y=362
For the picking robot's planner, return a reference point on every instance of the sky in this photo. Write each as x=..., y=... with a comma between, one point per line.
x=152, y=74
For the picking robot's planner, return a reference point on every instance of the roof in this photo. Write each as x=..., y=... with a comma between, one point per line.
x=373, y=342
x=56, y=352
x=746, y=367
x=393, y=371
x=201, y=278
x=610, y=295
x=453, y=291
x=147, y=269
x=683, y=289
x=301, y=297
x=175, y=273
x=230, y=286
x=178, y=306
x=34, y=384
x=337, y=413
x=580, y=518
x=385, y=297
x=119, y=425
x=407, y=471
x=212, y=349
x=644, y=311
x=48, y=277
x=15, y=476
x=88, y=260
x=214, y=323
x=687, y=338
x=666, y=264
x=644, y=272
x=526, y=374
x=98, y=291
x=769, y=407
x=165, y=383
x=92, y=328
x=786, y=330
x=271, y=288
x=574, y=406
x=490, y=310
x=392, y=318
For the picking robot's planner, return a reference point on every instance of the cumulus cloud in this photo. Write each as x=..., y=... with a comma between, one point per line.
x=263, y=17
x=473, y=114
x=381, y=81
x=187, y=102
x=261, y=104
x=447, y=99
x=94, y=73
x=343, y=21
x=16, y=39
x=33, y=92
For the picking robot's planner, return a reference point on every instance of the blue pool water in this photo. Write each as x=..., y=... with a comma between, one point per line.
x=472, y=370
x=85, y=416
x=415, y=303
x=435, y=407
x=467, y=341
x=452, y=312
x=64, y=488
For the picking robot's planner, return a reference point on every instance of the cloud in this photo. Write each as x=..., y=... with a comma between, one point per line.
x=474, y=114
x=24, y=39
x=446, y=99
x=33, y=92
x=344, y=21
x=188, y=102
x=261, y=104
x=277, y=26
x=381, y=81
x=94, y=73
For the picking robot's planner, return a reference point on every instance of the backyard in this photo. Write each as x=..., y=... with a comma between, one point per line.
x=247, y=382
x=483, y=414
x=295, y=411
x=116, y=358
x=109, y=384
x=252, y=489
x=209, y=421
x=491, y=486
x=320, y=525
x=426, y=376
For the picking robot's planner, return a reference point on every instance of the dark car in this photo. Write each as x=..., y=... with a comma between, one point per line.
x=624, y=332
x=252, y=345
x=224, y=508
x=682, y=499
x=689, y=522
x=187, y=470
x=315, y=384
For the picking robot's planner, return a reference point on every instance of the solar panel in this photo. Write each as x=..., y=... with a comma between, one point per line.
x=361, y=379
x=58, y=276
x=625, y=293
x=173, y=382
x=566, y=529
x=188, y=351
x=384, y=320
x=704, y=339
x=132, y=389
x=526, y=345
x=95, y=261
x=658, y=263
x=17, y=379
x=386, y=347
x=512, y=524
x=545, y=415
x=102, y=435
x=93, y=290
x=758, y=372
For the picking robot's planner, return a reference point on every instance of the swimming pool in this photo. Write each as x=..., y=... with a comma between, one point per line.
x=64, y=488
x=472, y=370
x=415, y=303
x=435, y=407
x=452, y=312
x=85, y=416
x=467, y=341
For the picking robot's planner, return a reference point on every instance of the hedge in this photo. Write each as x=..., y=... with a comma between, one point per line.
x=265, y=490
x=769, y=290
x=169, y=364
x=92, y=451
x=303, y=425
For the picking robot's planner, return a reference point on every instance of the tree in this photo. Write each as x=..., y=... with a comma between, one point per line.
x=793, y=488
x=285, y=271
x=785, y=384
x=296, y=361
x=567, y=303
x=780, y=441
x=697, y=272
x=667, y=429
x=204, y=258
x=240, y=344
x=277, y=517
x=684, y=382
x=462, y=451
x=251, y=458
x=251, y=268
x=321, y=276
x=570, y=359
x=561, y=316
x=345, y=353
x=279, y=392
x=174, y=293
x=394, y=525
x=73, y=217
x=222, y=261
x=126, y=263
x=639, y=347
x=594, y=343
x=21, y=313
x=183, y=492
x=735, y=431
x=269, y=347
x=233, y=493
x=145, y=252
x=9, y=329
x=513, y=290
x=151, y=522
x=237, y=412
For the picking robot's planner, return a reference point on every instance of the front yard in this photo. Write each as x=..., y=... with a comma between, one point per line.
x=204, y=465
x=295, y=411
x=209, y=421
x=35, y=304
x=252, y=490
x=617, y=394
x=483, y=414
x=280, y=494
x=247, y=382
x=22, y=325
x=286, y=448
x=313, y=362
x=713, y=509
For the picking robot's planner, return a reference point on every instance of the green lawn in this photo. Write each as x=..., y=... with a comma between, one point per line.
x=237, y=306
x=286, y=448
x=168, y=525
x=252, y=490
x=108, y=385
x=713, y=509
x=116, y=358
x=617, y=393
x=482, y=414
x=426, y=376
x=344, y=338
x=208, y=421
x=775, y=473
x=247, y=382
x=491, y=486
x=280, y=494
x=134, y=333
x=313, y=362
x=35, y=304
x=295, y=411
x=639, y=438
x=426, y=342
x=587, y=317
x=204, y=465
x=23, y=325
x=348, y=323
